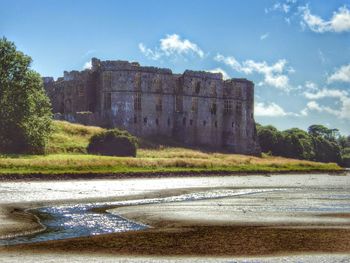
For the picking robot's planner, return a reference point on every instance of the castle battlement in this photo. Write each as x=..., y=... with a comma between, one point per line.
x=202, y=74
x=196, y=107
x=121, y=65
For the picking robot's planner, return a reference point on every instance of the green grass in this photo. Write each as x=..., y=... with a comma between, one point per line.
x=67, y=154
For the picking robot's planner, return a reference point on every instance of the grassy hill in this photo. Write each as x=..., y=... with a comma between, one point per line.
x=67, y=154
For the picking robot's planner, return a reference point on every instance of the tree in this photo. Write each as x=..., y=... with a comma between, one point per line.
x=326, y=150
x=268, y=138
x=298, y=144
x=25, y=110
x=320, y=130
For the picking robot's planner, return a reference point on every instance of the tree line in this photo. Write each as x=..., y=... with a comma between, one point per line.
x=318, y=143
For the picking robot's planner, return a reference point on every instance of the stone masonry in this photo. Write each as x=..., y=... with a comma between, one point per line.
x=196, y=108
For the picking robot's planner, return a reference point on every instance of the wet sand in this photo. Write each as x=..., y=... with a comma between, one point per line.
x=15, y=221
x=175, y=232
x=96, y=258
x=203, y=241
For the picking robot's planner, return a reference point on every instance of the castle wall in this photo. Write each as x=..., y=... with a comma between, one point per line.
x=197, y=108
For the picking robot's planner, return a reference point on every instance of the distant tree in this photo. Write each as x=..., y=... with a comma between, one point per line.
x=25, y=110
x=326, y=150
x=344, y=142
x=320, y=130
x=319, y=143
x=298, y=144
x=268, y=138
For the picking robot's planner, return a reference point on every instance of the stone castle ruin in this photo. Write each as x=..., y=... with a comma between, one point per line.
x=196, y=108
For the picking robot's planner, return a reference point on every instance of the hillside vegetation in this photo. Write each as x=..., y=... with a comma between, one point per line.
x=67, y=154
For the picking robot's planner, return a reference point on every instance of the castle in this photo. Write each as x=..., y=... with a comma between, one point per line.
x=196, y=107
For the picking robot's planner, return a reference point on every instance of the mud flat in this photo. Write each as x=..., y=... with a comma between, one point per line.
x=283, y=217
x=15, y=221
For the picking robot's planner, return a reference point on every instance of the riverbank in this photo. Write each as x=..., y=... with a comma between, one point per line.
x=67, y=157
x=166, y=161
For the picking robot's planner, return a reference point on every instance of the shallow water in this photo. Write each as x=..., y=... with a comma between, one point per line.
x=277, y=198
x=70, y=221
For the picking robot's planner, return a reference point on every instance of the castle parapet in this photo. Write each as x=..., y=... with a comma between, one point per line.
x=71, y=75
x=202, y=74
x=238, y=80
x=121, y=65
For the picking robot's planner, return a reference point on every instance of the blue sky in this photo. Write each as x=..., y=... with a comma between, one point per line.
x=297, y=52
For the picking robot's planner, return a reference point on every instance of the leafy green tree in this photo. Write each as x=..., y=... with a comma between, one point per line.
x=298, y=144
x=320, y=130
x=25, y=110
x=268, y=138
x=318, y=144
x=326, y=150
x=344, y=142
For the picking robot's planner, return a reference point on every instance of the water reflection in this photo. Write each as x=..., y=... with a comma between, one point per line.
x=70, y=221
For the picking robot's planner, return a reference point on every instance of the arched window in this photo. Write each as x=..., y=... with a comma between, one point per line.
x=198, y=87
x=159, y=103
x=178, y=103
x=227, y=106
x=137, y=101
x=194, y=106
x=68, y=106
x=137, y=81
x=213, y=89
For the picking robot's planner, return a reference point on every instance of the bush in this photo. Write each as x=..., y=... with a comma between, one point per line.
x=113, y=143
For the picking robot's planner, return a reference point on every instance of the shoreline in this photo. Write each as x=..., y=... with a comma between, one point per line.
x=197, y=237
x=20, y=222
x=135, y=175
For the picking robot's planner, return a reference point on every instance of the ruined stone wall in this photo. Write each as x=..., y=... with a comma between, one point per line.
x=75, y=92
x=197, y=108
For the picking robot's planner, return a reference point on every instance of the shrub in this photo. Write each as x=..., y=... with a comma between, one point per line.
x=113, y=143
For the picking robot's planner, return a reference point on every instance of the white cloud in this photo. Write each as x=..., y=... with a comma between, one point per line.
x=342, y=74
x=273, y=74
x=89, y=53
x=154, y=55
x=311, y=86
x=315, y=106
x=343, y=102
x=325, y=93
x=281, y=6
x=220, y=70
x=264, y=36
x=322, y=57
x=172, y=45
x=269, y=110
x=87, y=65
x=339, y=22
